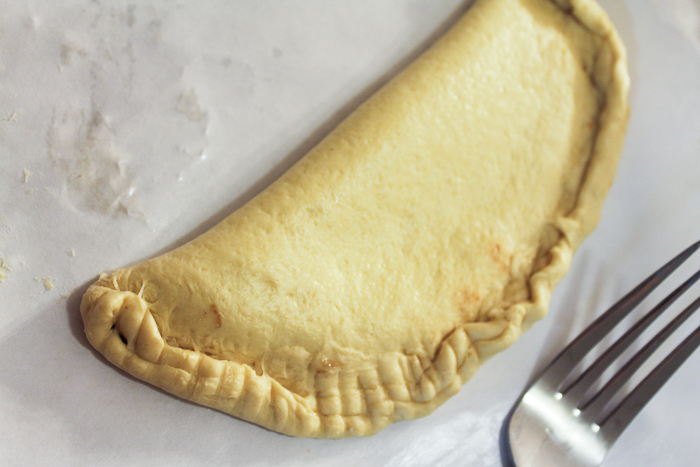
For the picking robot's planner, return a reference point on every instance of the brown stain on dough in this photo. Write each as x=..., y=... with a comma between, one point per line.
x=468, y=301
x=500, y=256
x=219, y=318
x=470, y=297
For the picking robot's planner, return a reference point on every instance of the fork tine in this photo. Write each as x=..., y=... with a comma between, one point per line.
x=595, y=332
x=619, y=418
x=595, y=406
x=578, y=388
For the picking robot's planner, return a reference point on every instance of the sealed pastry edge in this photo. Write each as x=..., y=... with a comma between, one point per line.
x=237, y=389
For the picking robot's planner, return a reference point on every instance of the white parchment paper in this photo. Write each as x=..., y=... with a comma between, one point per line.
x=128, y=128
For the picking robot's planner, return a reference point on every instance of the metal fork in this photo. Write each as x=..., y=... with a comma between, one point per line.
x=555, y=424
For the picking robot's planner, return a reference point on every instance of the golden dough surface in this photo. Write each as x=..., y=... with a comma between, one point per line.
x=420, y=237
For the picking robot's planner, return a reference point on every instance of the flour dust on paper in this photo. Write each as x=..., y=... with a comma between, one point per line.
x=95, y=171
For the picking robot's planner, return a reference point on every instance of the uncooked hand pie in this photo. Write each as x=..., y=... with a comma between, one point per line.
x=419, y=238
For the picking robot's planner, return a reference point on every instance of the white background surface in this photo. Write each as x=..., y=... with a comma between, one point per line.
x=141, y=125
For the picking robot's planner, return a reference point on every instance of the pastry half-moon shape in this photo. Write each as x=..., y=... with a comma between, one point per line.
x=419, y=238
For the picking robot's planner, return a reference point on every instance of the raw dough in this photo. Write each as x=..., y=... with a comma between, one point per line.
x=419, y=238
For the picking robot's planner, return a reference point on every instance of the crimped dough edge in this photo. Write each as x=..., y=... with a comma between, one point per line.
x=119, y=323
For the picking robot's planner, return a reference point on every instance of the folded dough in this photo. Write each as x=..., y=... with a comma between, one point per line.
x=419, y=238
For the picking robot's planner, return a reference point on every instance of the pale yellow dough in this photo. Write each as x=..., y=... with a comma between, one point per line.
x=419, y=238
